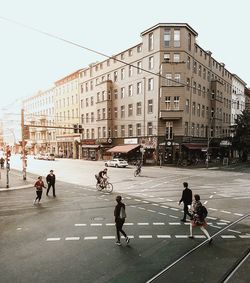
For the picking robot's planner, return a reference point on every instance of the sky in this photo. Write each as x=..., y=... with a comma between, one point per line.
x=30, y=61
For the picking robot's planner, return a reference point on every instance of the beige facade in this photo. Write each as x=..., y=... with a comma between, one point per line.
x=167, y=88
x=67, y=105
x=39, y=111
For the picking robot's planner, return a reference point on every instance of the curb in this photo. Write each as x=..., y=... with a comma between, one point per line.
x=17, y=188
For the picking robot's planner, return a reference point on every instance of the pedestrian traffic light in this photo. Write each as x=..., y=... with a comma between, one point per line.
x=75, y=129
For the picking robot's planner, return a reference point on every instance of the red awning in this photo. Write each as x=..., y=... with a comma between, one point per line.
x=195, y=145
x=123, y=148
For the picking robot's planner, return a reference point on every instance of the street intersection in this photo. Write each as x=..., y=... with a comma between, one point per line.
x=71, y=238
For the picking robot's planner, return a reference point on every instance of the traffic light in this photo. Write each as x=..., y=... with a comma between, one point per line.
x=80, y=129
x=75, y=129
x=8, y=154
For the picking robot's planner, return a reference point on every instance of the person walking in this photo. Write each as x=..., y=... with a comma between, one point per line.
x=199, y=215
x=39, y=185
x=120, y=216
x=2, y=162
x=187, y=200
x=51, y=180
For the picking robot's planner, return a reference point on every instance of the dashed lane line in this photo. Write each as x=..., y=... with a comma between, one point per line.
x=225, y=211
x=53, y=239
x=228, y=236
x=72, y=238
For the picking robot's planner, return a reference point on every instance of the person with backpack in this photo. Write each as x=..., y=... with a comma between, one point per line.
x=199, y=215
x=186, y=198
x=120, y=215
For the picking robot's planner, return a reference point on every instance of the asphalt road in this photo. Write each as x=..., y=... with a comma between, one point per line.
x=71, y=238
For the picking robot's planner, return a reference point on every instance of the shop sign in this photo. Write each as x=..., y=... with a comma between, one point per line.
x=131, y=141
x=89, y=141
x=225, y=143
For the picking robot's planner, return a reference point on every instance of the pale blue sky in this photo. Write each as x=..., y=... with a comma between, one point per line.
x=30, y=61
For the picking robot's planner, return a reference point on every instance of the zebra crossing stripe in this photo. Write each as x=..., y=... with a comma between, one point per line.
x=244, y=236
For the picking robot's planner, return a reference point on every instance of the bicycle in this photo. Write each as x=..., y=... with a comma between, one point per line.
x=104, y=185
x=137, y=172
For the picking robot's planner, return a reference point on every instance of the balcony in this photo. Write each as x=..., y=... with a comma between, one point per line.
x=171, y=114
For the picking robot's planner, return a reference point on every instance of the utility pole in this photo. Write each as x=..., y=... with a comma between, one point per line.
x=23, y=145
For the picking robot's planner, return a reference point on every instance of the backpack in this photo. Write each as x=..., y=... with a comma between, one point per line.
x=123, y=213
x=202, y=212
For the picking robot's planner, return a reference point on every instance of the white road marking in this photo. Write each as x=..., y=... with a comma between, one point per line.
x=161, y=198
x=145, y=236
x=72, y=238
x=161, y=213
x=155, y=204
x=169, y=199
x=244, y=236
x=128, y=197
x=163, y=236
x=221, y=223
x=214, y=209
x=224, y=211
x=227, y=221
x=158, y=223
x=173, y=216
x=215, y=226
x=110, y=224
x=174, y=223
x=80, y=224
x=212, y=218
x=163, y=206
x=228, y=236
x=53, y=239
x=91, y=238
x=211, y=196
x=205, y=202
x=137, y=199
x=181, y=236
x=199, y=236
x=128, y=224
x=19, y=228
x=143, y=223
x=150, y=210
x=234, y=231
x=238, y=214
x=143, y=208
x=175, y=209
x=108, y=237
x=96, y=224
x=144, y=201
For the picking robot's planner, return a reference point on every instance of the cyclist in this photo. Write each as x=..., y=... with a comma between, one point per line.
x=102, y=177
x=138, y=166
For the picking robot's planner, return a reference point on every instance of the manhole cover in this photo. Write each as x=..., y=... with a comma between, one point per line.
x=98, y=218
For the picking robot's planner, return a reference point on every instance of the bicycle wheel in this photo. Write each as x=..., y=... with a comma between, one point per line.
x=109, y=187
x=135, y=173
x=98, y=187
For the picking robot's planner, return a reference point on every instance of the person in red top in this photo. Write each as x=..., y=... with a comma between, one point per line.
x=39, y=185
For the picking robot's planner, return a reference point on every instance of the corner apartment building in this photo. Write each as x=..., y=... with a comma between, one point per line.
x=39, y=112
x=166, y=93
x=67, y=107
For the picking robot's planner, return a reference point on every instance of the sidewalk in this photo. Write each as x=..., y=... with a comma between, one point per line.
x=15, y=180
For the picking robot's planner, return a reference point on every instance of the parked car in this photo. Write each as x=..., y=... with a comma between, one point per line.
x=116, y=162
x=49, y=156
x=39, y=156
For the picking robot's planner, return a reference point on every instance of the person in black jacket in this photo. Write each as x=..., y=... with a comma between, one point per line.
x=187, y=200
x=51, y=180
x=120, y=216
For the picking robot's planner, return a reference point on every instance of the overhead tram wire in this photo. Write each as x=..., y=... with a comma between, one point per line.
x=94, y=51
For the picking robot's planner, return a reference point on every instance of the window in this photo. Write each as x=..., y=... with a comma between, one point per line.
x=130, y=71
x=130, y=90
x=192, y=129
x=169, y=130
x=138, y=88
x=176, y=102
x=150, y=128
x=150, y=84
x=177, y=38
x=139, y=48
x=87, y=117
x=138, y=108
x=194, y=87
x=103, y=95
x=138, y=129
x=87, y=102
x=103, y=113
x=188, y=84
x=197, y=130
x=188, y=62
x=115, y=132
x=151, y=63
x=115, y=113
x=115, y=76
x=122, y=111
x=193, y=108
x=130, y=52
x=115, y=93
x=176, y=57
x=203, y=111
x=199, y=89
x=198, y=110
x=150, y=41
x=168, y=102
x=130, y=109
x=199, y=70
x=189, y=41
x=122, y=131
x=169, y=79
x=122, y=56
x=167, y=37
x=130, y=130
x=122, y=73
x=98, y=114
x=91, y=100
x=92, y=133
x=166, y=56
x=150, y=106
x=195, y=67
x=122, y=92
x=104, y=132
x=187, y=106
x=139, y=66
x=186, y=129
x=177, y=78
x=87, y=134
